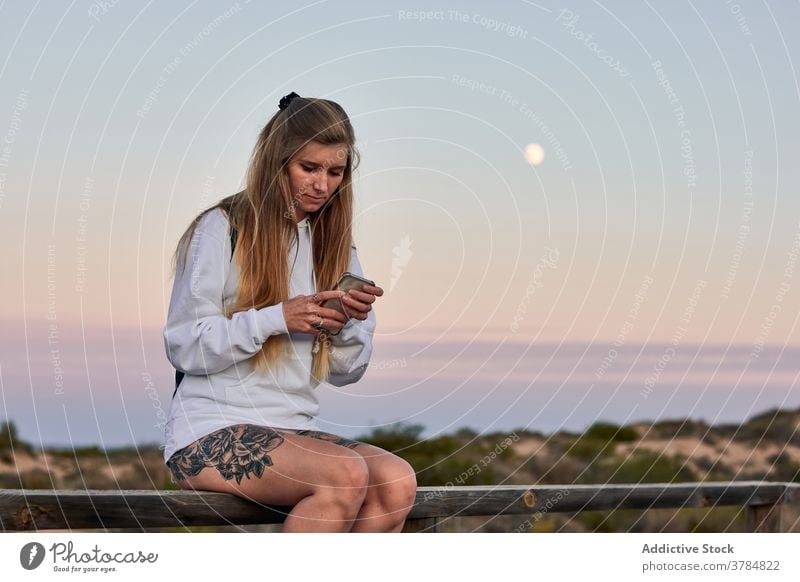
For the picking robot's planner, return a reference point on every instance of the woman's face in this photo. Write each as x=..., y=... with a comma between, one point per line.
x=314, y=174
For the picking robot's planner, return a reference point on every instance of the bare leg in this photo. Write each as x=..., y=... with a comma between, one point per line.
x=392, y=485
x=325, y=483
x=391, y=492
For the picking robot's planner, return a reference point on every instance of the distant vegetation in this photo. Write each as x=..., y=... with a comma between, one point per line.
x=765, y=447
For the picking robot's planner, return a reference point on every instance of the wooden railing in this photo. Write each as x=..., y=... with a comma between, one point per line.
x=44, y=509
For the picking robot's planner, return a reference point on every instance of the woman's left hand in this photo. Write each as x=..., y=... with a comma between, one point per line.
x=359, y=303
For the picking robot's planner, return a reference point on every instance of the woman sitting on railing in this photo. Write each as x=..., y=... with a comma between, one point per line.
x=250, y=339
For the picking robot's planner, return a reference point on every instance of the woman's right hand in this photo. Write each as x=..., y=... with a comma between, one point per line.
x=302, y=313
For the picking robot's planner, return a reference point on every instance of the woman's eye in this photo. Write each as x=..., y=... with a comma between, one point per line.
x=312, y=170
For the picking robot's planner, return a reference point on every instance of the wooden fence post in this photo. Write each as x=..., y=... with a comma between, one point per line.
x=764, y=518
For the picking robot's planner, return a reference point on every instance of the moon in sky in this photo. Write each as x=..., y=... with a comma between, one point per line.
x=534, y=153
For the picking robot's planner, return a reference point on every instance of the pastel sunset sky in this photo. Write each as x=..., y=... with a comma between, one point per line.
x=578, y=210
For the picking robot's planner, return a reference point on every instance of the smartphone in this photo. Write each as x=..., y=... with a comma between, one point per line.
x=346, y=282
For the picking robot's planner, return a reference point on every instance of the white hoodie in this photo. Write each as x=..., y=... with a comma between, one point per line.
x=221, y=387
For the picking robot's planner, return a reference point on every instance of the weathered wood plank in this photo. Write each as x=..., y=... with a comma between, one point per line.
x=422, y=525
x=501, y=500
x=32, y=509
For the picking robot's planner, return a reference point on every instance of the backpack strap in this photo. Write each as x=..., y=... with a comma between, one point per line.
x=234, y=234
x=178, y=374
x=178, y=377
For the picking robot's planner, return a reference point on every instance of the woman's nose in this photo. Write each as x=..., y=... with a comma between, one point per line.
x=321, y=182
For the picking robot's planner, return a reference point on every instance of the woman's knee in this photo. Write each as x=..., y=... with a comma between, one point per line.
x=403, y=483
x=347, y=487
x=395, y=481
x=350, y=477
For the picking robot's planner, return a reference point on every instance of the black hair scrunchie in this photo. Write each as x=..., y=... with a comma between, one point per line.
x=286, y=99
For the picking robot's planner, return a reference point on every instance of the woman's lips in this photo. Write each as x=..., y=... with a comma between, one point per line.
x=314, y=198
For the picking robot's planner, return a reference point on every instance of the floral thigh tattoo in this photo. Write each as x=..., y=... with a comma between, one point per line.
x=236, y=451
x=326, y=436
x=239, y=451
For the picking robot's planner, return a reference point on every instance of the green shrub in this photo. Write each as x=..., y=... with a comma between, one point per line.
x=37, y=479
x=611, y=432
x=773, y=425
x=784, y=468
x=590, y=449
x=641, y=467
x=669, y=429
x=78, y=452
x=10, y=441
x=437, y=461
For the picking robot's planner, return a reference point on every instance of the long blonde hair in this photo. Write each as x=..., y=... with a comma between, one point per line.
x=263, y=217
